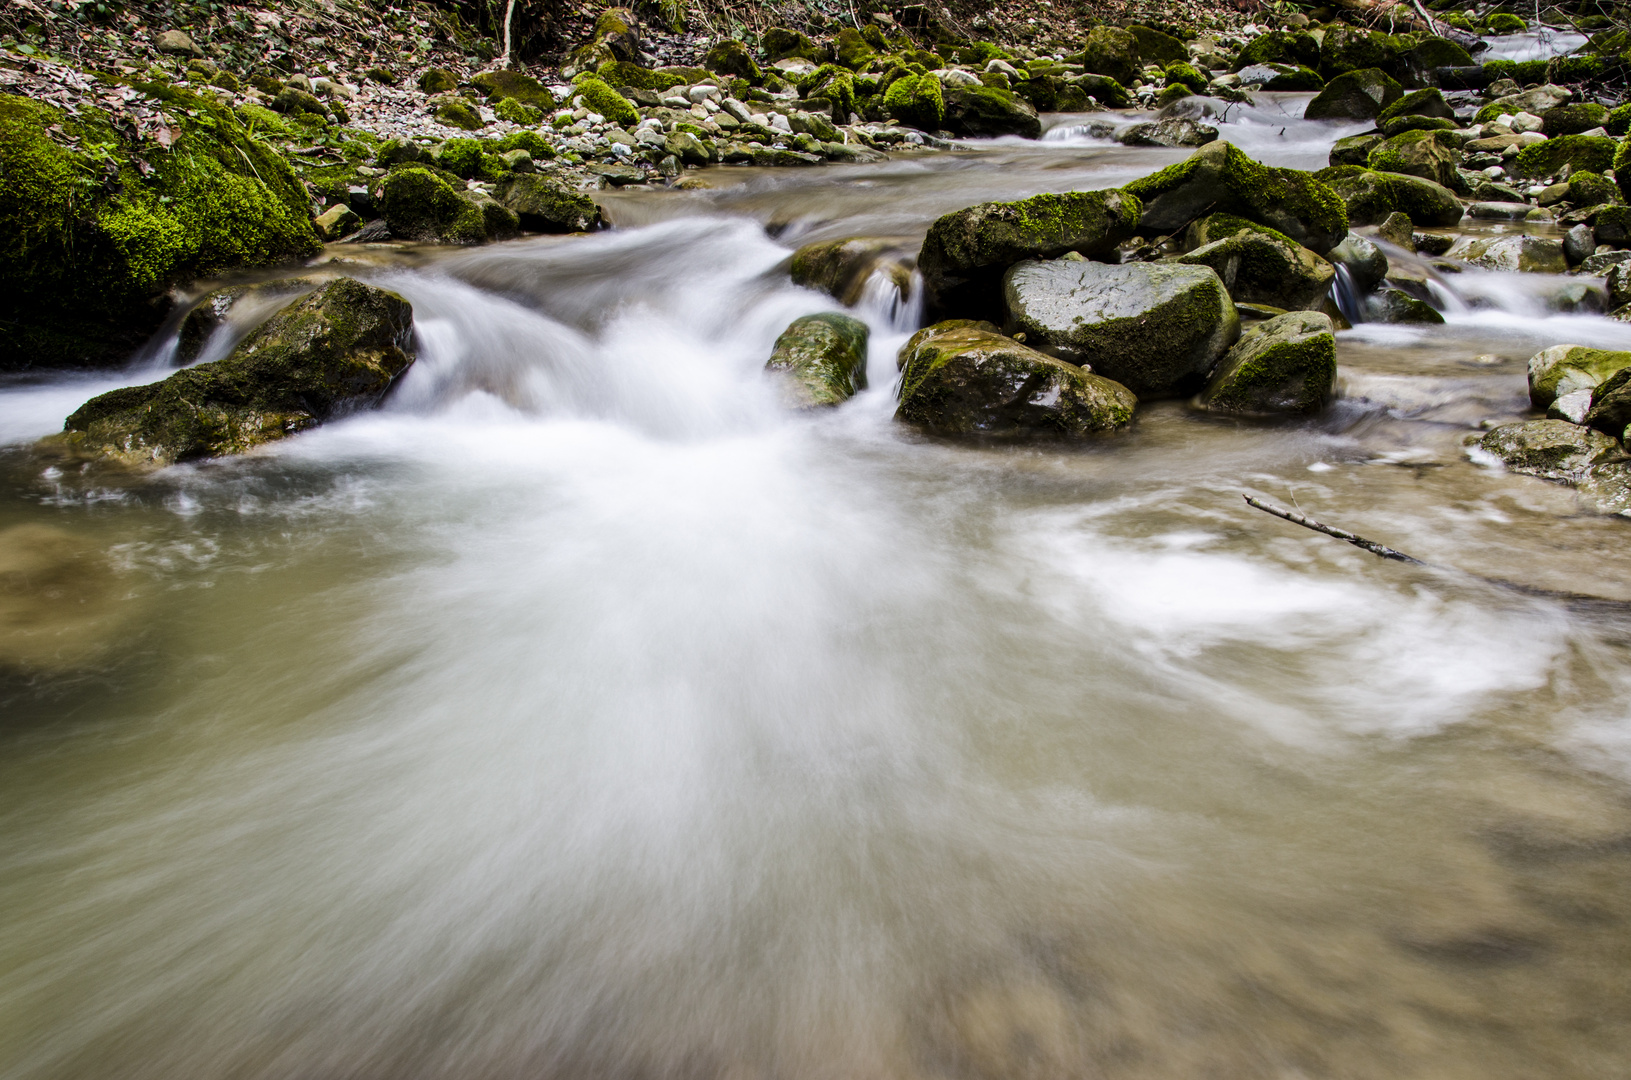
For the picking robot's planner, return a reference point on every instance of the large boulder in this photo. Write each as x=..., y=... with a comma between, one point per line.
x=545, y=204
x=966, y=252
x=1552, y=449
x=1157, y=328
x=1350, y=48
x=1530, y=254
x=1261, y=266
x=1112, y=51
x=1417, y=153
x=1562, y=370
x=1429, y=102
x=1156, y=47
x=505, y=85
x=917, y=101
x=841, y=268
x=1370, y=196
x=419, y=205
x=1286, y=365
x=1218, y=177
x=779, y=44
x=1280, y=47
x=616, y=36
x=1365, y=262
x=1582, y=153
x=1534, y=101
x=333, y=352
x=963, y=378
x=1610, y=410
x=730, y=57
x=822, y=360
x=988, y=110
x=1357, y=95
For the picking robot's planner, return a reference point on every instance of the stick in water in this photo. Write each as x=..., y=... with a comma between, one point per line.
x=1309, y=523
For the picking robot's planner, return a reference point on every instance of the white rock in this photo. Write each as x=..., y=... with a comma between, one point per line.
x=1522, y=122
x=781, y=123
x=954, y=77
x=1003, y=67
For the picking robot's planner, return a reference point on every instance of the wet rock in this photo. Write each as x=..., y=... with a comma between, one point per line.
x=213, y=309
x=333, y=352
x=1417, y=153
x=1607, y=488
x=1535, y=101
x=1552, y=449
x=458, y=113
x=1286, y=365
x=965, y=252
x=822, y=359
x=1218, y=177
x=730, y=57
x=1604, y=261
x=1567, y=369
x=1113, y=52
x=419, y=205
x=1617, y=284
x=336, y=222
x=1610, y=409
x=438, y=81
x=958, y=378
x=1354, y=150
x=1499, y=211
x=1591, y=153
x=1370, y=196
x=176, y=43
x=1265, y=267
x=1573, y=119
x=1365, y=262
x=545, y=204
x=1356, y=95
x=1578, y=243
x=916, y=100
x=1432, y=243
x=505, y=85
x=1156, y=328
x=1104, y=90
x=1396, y=229
x=1530, y=254
x=1429, y=103
x=1394, y=305
x=841, y=268
x=1172, y=131
x=983, y=111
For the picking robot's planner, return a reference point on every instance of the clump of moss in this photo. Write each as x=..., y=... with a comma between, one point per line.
x=602, y=99
x=1502, y=23
x=1186, y=75
x=95, y=226
x=916, y=100
x=834, y=84
x=514, y=86
x=731, y=57
x=513, y=112
x=438, y=81
x=530, y=141
x=419, y=205
x=623, y=73
x=1590, y=153
x=458, y=113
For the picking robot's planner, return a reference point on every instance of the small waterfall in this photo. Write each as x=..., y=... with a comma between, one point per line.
x=1347, y=297
x=883, y=301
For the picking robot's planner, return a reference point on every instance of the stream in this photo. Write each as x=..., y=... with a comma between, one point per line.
x=583, y=713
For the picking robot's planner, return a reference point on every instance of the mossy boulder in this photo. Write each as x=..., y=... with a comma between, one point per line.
x=438, y=81
x=1219, y=177
x=1570, y=369
x=1417, y=153
x=1112, y=51
x=1158, y=47
x=821, y=359
x=545, y=204
x=1526, y=254
x=512, y=111
x=1502, y=23
x=458, y=113
x=618, y=31
x=293, y=102
x=1187, y=75
x=1157, y=328
x=1349, y=48
x=513, y=86
x=1354, y=95
x=419, y=205
x=1104, y=90
x=1390, y=304
x=841, y=268
x=1279, y=47
x=1354, y=149
x=961, y=378
x=780, y=44
x=851, y=49
x=1551, y=449
x=1431, y=52
x=602, y=99
x=833, y=84
x=1591, y=189
x=1572, y=119
x=620, y=73
x=1588, y=153
x=1371, y=196
x=331, y=353
x=730, y=57
x=1426, y=102
x=917, y=101
x=1286, y=365
x=97, y=224
x=975, y=111
x=965, y=252
x=1261, y=266
x=461, y=157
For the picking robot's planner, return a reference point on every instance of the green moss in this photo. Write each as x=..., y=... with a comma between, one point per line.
x=1619, y=121
x=438, y=81
x=512, y=111
x=1573, y=119
x=851, y=49
x=1280, y=47
x=824, y=358
x=419, y=205
x=622, y=73
x=1592, y=153
x=93, y=224
x=1622, y=168
x=1502, y=23
x=833, y=83
x=461, y=157
x=731, y=57
x=262, y=121
x=458, y=113
x=514, y=86
x=602, y=99
x=530, y=141
x=779, y=44
x=916, y=100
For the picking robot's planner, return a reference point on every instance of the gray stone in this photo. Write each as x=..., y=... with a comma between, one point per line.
x=1551, y=449
x=1529, y=254
x=176, y=43
x=1364, y=261
x=1391, y=305
x=1284, y=366
x=821, y=359
x=1262, y=267
x=1578, y=243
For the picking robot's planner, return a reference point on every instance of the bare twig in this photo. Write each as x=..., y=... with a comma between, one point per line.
x=1309, y=523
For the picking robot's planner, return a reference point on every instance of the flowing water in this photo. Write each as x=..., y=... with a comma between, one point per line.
x=581, y=713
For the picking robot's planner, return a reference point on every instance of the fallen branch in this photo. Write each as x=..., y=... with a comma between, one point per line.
x=1309, y=523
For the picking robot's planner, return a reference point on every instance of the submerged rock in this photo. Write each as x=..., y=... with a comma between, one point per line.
x=1391, y=305
x=1552, y=449
x=1156, y=328
x=963, y=378
x=1286, y=365
x=62, y=606
x=333, y=352
x=1218, y=177
x=1261, y=266
x=822, y=358
x=1607, y=488
x=965, y=252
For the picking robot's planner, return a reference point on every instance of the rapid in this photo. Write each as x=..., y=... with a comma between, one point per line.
x=583, y=713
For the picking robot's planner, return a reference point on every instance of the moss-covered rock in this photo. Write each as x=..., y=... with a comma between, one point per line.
x=730, y=57
x=1112, y=51
x=1219, y=177
x=458, y=113
x=1366, y=264
x=1371, y=196
x=976, y=111
x=419, y=205
x=1182, y=73
x=917, y=101
x=841, y=268
x=851, y=49
x=1572, y=119
x=1551, y=449
x=1349, y=48
x=1393, y=305
x=335, y=351
x=1535, y=101
x=833, y=84
x=960, y=378
x=619, y=73
x=1354, y=149
x=512, y=111
x=1527, y=254
x=1354, y=95
x=1417, y=153
x=821, y=359
x=461, y=157
x=1610, y=408
x=438, y=81
x=507, y=85
x=1502, y=23
x=779, y=44
x=1431, y=52
x=545, y=204
x=1285, y=365
x=293, y=102
x=1622, y=168
x=1104, y=90
x=1618, y=122
x=966, y=252
x=1280, y=47
x=1158, y=47
x=1591, y=189
x=1156, y=328
x=1426, y=102
x=1590, y=153
x=1570, y=369
x=1261, y=266
x=96, y=225
x=618, y=31
x=602, y=99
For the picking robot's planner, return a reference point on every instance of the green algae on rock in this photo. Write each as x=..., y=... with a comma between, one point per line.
x=977, y=111
x=821, y=359
x=545, y=204
x=1567, y=369
x=1354, y=95
x=507, y=85
x=1589, y=153
x=962, y=378
x=1417, y=153
x=602, y=99
x=331, y=353
x=95, y=226
x=1286, y=365
x=1220, y=177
